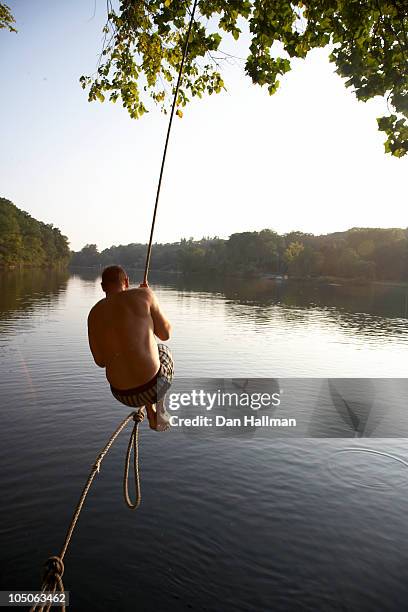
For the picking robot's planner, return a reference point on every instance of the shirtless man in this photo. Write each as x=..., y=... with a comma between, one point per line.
x=121, y=331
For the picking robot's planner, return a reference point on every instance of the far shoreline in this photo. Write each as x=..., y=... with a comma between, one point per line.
x=283, y=278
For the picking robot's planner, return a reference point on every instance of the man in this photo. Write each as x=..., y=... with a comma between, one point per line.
x=121, y=331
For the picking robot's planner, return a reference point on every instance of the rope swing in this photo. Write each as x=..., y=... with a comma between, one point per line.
x=54, y=566
x=173, y=106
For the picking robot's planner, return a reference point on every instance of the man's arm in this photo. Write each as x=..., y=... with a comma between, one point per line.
x=162, y=327
x=93, y=343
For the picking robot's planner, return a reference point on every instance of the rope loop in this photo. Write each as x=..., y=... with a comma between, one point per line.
x=133, y=445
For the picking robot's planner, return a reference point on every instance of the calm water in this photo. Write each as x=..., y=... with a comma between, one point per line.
x=226, y=523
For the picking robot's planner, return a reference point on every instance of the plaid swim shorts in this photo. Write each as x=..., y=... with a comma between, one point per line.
x=152, y=391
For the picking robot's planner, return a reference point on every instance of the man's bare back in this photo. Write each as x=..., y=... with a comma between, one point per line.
x=122, y=329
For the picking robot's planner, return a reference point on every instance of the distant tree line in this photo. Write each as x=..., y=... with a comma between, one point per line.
x=26, y=242
x=359, y=253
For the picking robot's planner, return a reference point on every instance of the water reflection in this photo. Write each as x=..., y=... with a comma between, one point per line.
x=389, y=301
x=23, y=291
x=361, y=310
x=366, y=311
x=374, y=299
x=87, y=274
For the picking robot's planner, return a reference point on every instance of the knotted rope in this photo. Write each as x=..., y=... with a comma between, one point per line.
x=54, y=566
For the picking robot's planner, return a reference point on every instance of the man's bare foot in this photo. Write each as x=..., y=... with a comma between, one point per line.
x=162, y=417
x=158, y=417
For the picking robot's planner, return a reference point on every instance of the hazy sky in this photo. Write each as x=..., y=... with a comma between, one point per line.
x=308, y=158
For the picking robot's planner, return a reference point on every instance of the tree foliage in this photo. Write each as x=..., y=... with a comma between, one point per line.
x=360, y=253
x=143, y=45
x=6, y=18
x=24, y=241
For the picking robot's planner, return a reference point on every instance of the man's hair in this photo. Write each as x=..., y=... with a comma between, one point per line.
x=113, y=275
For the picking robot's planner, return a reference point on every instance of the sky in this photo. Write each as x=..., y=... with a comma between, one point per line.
x=309, y=158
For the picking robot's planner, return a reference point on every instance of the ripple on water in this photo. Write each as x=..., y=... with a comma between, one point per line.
x=367, y=467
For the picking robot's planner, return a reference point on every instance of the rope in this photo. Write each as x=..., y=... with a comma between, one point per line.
x=54, y=566
x=185, y=48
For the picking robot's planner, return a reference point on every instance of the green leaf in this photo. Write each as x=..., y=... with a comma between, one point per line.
x=272, y=88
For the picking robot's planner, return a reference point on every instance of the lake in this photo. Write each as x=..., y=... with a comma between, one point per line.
x=227, y=523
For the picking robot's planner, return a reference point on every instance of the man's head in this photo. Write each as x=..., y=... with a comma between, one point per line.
x=114, y=280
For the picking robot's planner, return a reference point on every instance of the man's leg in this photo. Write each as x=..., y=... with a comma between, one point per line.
x=151, y=415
